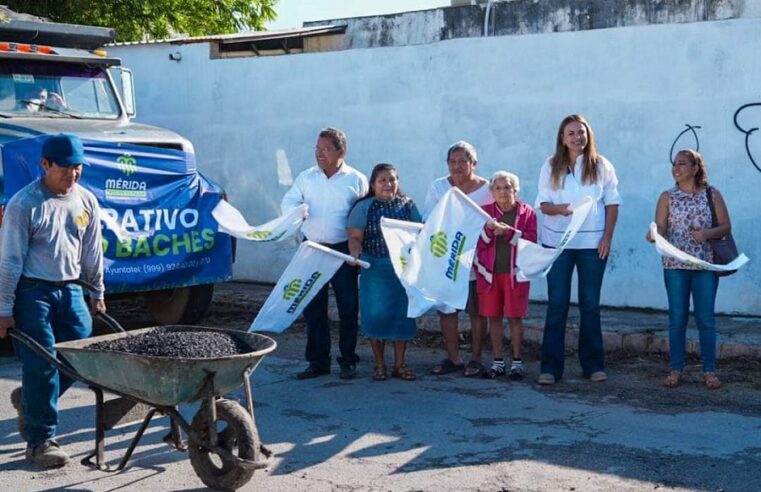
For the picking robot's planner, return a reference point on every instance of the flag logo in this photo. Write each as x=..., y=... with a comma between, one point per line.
x=439, y=244
x=127, y=164
x=259, y=235
x=291, y=289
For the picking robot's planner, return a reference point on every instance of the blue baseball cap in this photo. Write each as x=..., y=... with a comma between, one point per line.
x=64, y=149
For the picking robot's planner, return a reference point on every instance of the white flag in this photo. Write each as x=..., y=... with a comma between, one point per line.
x=441, y=258
x=309, y=269
x=665, y=248
x=232, y=222
x=534, y=261
x=400, y=236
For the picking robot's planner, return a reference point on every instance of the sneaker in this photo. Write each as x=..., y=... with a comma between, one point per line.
x=546, y=379
x=312, y=372
x=598, y=377
x=17, y=400
x=348, y=371
x=516, y=372
x=48, y=454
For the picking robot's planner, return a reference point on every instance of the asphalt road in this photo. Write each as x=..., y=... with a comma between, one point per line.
x=440, y=432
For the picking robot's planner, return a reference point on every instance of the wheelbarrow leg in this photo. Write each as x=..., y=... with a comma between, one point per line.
x=136, y=439
x=250, y=405
x=100, y=434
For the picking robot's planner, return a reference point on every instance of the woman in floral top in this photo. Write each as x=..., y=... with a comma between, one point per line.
x=683, y=217
x=382, y=299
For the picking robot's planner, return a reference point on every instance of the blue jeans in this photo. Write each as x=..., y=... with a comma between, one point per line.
x=590, y=270
x=48, y=314
x=702, y=285
x=344, y=284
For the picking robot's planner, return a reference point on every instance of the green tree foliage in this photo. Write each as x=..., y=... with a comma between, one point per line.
x=136, y=20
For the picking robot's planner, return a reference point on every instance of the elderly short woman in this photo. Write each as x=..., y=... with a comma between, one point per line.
x=499, y=294
x=382, y=299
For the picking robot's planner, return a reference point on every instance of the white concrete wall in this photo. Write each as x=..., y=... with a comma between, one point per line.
x=638, y=86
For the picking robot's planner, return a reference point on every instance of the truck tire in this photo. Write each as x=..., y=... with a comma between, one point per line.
x=179, y=306
x=237, y=435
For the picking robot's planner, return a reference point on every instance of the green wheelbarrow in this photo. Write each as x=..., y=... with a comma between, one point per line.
x=223, y=441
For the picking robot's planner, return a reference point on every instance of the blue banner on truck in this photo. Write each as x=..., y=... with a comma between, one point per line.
x=158, y=231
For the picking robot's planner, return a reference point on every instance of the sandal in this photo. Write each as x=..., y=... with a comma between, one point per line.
x=711, y=381
x=474, y=369
x=446, y=366
x=673, y=379
x=403, y=373
x=380, y=373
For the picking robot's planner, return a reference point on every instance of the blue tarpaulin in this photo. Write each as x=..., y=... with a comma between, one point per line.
x=159, y=232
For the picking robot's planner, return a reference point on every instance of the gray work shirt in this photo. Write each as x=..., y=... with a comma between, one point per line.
x=50, y=237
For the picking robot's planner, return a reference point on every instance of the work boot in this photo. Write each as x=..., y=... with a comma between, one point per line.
x=17, y=400
x=48, y=454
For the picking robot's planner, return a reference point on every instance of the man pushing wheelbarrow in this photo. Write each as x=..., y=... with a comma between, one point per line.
x=49, y=239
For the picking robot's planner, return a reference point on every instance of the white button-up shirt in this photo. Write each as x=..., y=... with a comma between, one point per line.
x=330, y=200
x=604, y=192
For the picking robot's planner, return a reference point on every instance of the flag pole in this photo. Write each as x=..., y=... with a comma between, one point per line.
x=333, y=252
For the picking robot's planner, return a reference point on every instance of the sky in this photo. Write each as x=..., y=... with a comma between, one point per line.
x=292, y=13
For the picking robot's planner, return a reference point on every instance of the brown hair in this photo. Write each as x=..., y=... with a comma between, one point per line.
x=336, y=136
x=561, y=158
x=701, y=177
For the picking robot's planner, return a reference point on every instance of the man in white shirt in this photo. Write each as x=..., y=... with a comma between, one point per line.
x=330, y=189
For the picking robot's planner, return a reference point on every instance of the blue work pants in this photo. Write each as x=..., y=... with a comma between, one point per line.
x=48, y=314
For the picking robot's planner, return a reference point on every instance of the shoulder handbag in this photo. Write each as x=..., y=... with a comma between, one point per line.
x=724, y=249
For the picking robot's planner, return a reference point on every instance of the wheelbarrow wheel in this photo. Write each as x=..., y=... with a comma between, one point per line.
x=236, y=434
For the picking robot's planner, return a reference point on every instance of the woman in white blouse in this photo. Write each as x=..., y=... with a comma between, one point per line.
x=573, y=172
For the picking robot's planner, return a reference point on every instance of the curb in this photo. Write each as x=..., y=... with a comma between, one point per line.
x=644, y=342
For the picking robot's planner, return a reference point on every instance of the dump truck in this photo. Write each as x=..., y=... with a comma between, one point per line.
x=159, y=238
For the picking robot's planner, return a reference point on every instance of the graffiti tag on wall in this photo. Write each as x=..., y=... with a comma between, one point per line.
x=748, y=130
x=689, y=130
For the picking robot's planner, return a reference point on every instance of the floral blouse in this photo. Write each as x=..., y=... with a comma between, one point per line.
x=687, y=212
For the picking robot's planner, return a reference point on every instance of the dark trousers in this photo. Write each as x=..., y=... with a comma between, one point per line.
x=590, y=270
x=344, y=284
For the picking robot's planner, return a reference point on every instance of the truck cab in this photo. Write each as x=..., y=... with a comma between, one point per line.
x=158, y=235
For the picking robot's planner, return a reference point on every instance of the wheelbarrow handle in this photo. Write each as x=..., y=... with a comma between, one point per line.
x=110, y=322
x=44, y=353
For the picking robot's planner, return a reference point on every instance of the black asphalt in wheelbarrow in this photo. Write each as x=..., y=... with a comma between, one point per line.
x=223, y=445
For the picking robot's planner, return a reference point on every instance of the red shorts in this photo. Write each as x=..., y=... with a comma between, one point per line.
x=504, y=299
